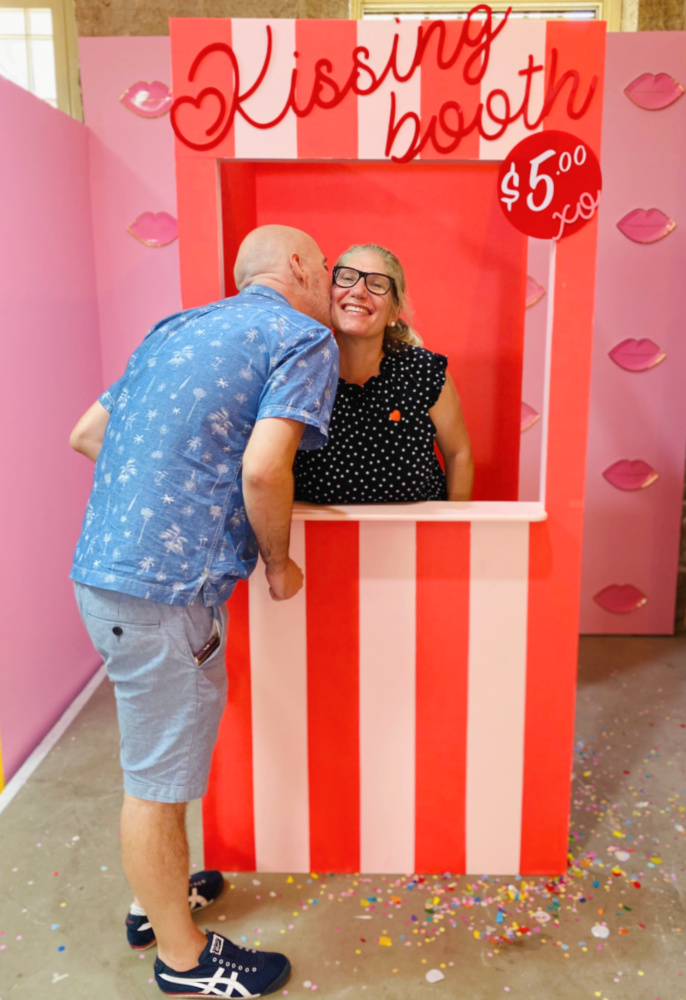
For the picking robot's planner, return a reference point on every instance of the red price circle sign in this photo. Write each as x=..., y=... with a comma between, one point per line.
x=549, y=185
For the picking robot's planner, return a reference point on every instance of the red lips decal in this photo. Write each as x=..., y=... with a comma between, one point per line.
x=637, y=355
x=534, y=291
x=620, y=600
x=646, y=225
x=149, y=100
x=627, y=475
x=652, y=93
x=529, y=417
x=154, y=229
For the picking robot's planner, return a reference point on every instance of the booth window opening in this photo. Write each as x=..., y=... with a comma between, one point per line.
x=38, y=51
x=403, y=206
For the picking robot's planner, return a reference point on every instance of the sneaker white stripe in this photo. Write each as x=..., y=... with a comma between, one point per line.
x=196, y=901
x=211, y=986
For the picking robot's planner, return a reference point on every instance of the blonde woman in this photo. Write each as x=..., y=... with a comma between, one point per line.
x=394, y=399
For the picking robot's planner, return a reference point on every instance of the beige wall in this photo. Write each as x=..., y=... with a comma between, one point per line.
x=147, y=17
x=662, y=15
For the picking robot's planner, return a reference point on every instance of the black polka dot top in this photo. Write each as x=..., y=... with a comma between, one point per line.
x=381, y=437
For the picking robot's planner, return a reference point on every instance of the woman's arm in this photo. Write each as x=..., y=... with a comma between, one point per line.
x=453, y=442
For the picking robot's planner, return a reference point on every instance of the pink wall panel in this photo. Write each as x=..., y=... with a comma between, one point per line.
x=50, y=373
x=131, y=172
x=632, y=537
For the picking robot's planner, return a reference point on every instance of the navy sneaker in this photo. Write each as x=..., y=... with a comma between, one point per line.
x=204, y=888
x=225, y=970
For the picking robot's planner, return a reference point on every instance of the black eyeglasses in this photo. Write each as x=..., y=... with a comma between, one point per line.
x=377, y=284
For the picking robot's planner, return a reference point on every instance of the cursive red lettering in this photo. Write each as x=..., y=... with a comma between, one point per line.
x=528, y=73
x=415, y=146
x=502, y=120
x=554, y=88
x=443, y=132
x=221, y=126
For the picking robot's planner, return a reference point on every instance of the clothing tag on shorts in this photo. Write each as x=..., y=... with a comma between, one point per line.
x=217, y=945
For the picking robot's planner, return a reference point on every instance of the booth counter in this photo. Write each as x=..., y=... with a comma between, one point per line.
x=376, y=721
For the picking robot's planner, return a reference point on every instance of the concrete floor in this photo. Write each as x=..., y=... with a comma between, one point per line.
x=613, y=929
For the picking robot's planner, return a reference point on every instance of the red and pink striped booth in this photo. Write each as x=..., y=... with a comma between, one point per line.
x=412, y=709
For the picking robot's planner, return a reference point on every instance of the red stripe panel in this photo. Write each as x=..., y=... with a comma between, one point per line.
x=333, y=691
x=555, y=550
x=442, y=674
x=188, y=37
x=198, y=211
x=441, y=85
x=326, y=133
x=228, y=817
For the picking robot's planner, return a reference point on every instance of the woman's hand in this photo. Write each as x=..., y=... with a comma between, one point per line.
x=453, y=442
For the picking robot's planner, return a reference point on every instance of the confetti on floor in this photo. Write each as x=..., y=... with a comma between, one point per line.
x=613, y=922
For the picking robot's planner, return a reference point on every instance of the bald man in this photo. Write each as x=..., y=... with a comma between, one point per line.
x=194, y=448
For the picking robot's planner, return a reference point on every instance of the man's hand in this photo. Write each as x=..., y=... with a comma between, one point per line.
x=284, y=583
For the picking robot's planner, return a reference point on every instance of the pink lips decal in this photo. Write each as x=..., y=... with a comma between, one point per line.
x=534, y=291
x=620, y=600
x=529, y=417
x=637, y=355
x=149, y=100
x=646, y=225
x=654, y=92
x=627, y=475
x=155, y=229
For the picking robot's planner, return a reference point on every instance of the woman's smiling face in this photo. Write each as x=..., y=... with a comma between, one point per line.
x=357, y=312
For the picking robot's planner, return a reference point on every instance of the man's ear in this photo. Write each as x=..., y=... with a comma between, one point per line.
x=298, y=270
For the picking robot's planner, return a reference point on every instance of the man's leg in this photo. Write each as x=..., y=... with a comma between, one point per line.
x=155, y=855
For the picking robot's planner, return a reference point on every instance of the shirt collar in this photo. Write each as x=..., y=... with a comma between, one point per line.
x=269, y=293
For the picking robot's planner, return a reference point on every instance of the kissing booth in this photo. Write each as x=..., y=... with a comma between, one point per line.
x=412, y=708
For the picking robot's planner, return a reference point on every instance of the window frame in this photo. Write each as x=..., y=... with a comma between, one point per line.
x=605, y=10
x=66, y=50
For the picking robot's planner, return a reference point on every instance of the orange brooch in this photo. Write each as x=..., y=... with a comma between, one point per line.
x=395, y=415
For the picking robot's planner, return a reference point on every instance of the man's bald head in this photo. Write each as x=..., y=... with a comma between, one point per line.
x=266, y=251
x=289, y=261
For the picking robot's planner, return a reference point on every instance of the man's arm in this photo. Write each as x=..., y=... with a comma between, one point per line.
x=268, y=494
x=89, y=433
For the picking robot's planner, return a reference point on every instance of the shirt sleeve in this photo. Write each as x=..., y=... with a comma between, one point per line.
x=436, y=368
x=302, y=385
x=109, y=397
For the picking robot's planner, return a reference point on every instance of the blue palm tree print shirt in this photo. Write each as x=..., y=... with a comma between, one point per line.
x=166, y=517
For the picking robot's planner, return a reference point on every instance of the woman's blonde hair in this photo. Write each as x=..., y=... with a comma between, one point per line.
x=402, y=331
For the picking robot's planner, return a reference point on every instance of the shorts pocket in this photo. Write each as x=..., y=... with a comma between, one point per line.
x=200, y=624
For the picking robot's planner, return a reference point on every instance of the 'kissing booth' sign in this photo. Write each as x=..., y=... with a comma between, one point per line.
x=412, y=709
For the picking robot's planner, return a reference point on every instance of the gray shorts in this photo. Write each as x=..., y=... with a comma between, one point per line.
x=168, y=707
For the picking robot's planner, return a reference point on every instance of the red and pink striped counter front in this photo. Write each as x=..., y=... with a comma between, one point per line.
x=377, y=721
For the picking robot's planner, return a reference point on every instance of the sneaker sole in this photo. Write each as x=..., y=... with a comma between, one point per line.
x=143, y=947
x=276, y=985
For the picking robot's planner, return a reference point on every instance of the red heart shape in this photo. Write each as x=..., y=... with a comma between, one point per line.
x=214, y=125
x=395, y=415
